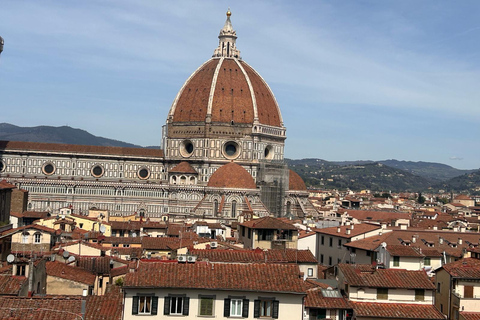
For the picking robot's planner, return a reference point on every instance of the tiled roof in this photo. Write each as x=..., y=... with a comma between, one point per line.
x=194, y=100
x=470, y=315
x=97, y=265
x=396, y=311
x=11, y=285
x=61, y=270
x=106, y=307
x=122, y=240
x=183, y=167
x=462, y=197
x=115, y=272
x=404, y=251
x=268, y=223
x=295, y=182
x=424, y=239
x=177, y=229
x=41, y=308
x=378, y=216
x=366, y=276
x=219, y=276
x=468, y=268
x=166, y=243
x=259, y=256
x=232, y=175
x=358, y=229
x=136, y=225
x=5, y=185
x=81, y=149
x=31, y=214
x=31, y=226
x=315, y=299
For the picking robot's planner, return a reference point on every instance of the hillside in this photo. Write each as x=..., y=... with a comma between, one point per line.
x=467, y=183
x=374, y=176
x=50, y=134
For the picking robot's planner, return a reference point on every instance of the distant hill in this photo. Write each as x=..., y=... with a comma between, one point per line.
x=374, y=176
x=63, y=134
x=467, y=183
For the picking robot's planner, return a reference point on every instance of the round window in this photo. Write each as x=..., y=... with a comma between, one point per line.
x=143, y=173
x=48, y=168
x=269, y=152
x=231, y=150
x=186, y=148
x=97, y=171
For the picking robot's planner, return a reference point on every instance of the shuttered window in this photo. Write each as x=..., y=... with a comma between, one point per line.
x=144, y=304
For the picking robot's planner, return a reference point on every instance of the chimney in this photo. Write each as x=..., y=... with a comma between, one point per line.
x=414, y=239
x=338, y=230
x=348, y=231
x=463, y=229
x=440, y=240
x=459, y=241
x=435, y=228
x=352, y=226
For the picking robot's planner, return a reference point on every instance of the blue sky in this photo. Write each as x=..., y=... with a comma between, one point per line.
x=355, y=80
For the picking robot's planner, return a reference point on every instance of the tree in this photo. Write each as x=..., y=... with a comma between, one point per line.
x=420, y=199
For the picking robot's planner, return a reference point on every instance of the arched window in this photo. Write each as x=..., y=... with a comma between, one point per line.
x=183, y=180
x=174, y=180
x=25, y=236
x=289, y=207
x=234, y=209
x=215, y=206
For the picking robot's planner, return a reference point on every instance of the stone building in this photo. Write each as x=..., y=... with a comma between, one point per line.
x=223, y=153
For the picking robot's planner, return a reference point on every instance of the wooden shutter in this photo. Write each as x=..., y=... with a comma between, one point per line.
x=256, y=308
x=226, y=308
x=276, y=304
x=186, y=306
x=166, y=305
x=468, y=291
x=245, y=308
x=135, y=305
x=154, y=305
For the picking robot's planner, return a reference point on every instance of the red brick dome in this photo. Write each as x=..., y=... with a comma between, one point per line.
x=231, y=175
x=226, y=90
x=295, y=182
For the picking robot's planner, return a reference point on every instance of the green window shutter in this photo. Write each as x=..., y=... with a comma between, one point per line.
x=135, y=305
x=276, y=304
x=166, y=306
x=256, y=309
x=245, y=308
x=186, y=306
x=154, y=305
x=226, y=307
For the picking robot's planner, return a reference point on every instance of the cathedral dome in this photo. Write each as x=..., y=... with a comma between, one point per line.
x=231, y=175
x=295, y=182
x=226, y=90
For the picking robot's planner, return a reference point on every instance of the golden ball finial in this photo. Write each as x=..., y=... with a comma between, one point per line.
x=229, y=13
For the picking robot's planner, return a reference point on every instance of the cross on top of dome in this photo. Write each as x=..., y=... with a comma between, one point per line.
x=227, y=38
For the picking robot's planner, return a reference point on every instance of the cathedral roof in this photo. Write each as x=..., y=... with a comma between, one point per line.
x=183, y=167
x=295, y=182
x=232, y=175
x=226, y=89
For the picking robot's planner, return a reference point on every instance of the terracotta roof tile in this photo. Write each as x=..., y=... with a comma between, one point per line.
x=183, y=167
x=468, y=268
x=396, y=311
x=167, y=243
x=11, y=285
x=470, y=315
x=358, y=229
x=61, y=270
x=232, y=175
x=315, y=299
x=5, y=185
x=106, y=307
x=259, y=256
x=367, y=276
x=81, y=149
x=295, y=182
x=404, y=251
x=268, y=223
x=226, y=276
x=41, y=307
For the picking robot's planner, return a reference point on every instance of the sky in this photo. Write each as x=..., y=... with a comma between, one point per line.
x=355, y=80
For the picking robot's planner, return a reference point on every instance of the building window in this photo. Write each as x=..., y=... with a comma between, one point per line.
x=438, y=286
x=234, y=209
x=323, y=240
x=329, y=261
x=215, y=207
x=396, y=261
x=339, y=243
x=310, y=272
x=236, y=307
x=145, y=305
x=206, y=305
x=266, y=308
x=37, y=237
x=25, y=237
x=321, y=258
x=427, y=261
x=330, y=242
x=419, y=294
x=368, y=253
x=382, y=293
x=20, y=270
x=176, y=305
